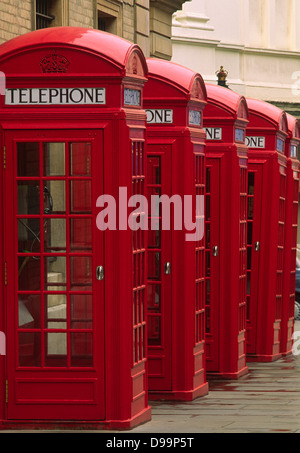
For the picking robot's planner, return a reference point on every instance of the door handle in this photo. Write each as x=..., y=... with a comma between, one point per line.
x=215, y=250
x=100, y=273
x=167, y=268
x=257, y=246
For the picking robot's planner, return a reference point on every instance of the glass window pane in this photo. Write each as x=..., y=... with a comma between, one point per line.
x=29, y=311
x=153, y=301
x=56, y=349
x=81, y=311
x=28, y=197
x=80, y=234
x=81, y=349
x=81, y=273
x=30, y=349
x=250, y=207
x=154, y=233
x=54, y=197
x=153, y=169
x=80, y=196
x=54, y=159
x=154, y=330
x=29, y=235
x=56, y=311
x=55, y=273
x=28, y=159
x=153, y=265
x=80, y=159
x=156, y=209
x=29, y=273
x=251, y=178
x=54, y=235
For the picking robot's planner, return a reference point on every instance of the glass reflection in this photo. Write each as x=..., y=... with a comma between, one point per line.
x=54, y=159
x=29, y=311
x=54, y=235
x=28, y=159
x=28, y=197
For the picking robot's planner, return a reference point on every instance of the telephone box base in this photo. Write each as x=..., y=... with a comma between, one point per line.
x=228, y=375
x=263, y=358
x=140, y=419
x=179, y=395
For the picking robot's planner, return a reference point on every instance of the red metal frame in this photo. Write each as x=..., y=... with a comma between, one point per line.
x=174, y=98
x=225, y=120
x=290, y=237
x=116, y=128
x=267, y=164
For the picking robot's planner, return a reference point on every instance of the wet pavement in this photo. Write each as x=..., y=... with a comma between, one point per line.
x=266, y=400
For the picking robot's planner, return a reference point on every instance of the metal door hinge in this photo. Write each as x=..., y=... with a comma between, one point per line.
x=6, y=391
x=4, y=156
x=5, y=274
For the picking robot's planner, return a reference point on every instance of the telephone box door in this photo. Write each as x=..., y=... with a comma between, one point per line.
x=212, y=265
x=253, y=251
x=159, y=310
x=54, y=287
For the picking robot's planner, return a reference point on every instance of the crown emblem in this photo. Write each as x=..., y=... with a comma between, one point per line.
x=222, y=75
x=54, y=63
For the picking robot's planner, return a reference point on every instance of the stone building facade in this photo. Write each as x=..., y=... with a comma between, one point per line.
x=145, y=22
x=257, y=42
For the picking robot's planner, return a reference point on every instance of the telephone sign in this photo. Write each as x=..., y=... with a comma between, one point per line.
x=255, y=142
x=159, y=116
x=213, y=133
x=54, y=96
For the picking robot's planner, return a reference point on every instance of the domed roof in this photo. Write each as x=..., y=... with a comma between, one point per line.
x=113, y=48
x=184, y=79
x=227, y=99
x=269, y=112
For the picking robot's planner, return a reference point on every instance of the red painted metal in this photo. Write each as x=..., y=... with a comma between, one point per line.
x=267, y=132
x=174, y=98
x=101, y=380
x=225, y=120
x=290, y=237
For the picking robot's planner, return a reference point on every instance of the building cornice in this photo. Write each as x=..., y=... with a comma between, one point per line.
x=192, y=21
x=170, y=6
x=176, y=37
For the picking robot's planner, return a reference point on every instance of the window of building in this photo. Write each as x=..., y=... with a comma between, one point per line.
x=107, y=22
x=43, y=14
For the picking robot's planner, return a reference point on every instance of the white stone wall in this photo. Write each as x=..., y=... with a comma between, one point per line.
x=257, y=42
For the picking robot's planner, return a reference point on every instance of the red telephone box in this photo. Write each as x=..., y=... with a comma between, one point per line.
x=225, y=121
x=71, y=122
x=290, y=236
x=267, y=170
x=174, y=98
